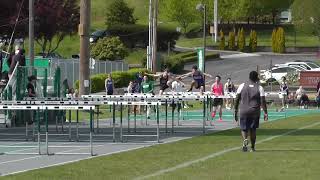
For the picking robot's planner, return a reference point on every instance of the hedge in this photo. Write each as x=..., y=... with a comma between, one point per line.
x=134, y=34
x=120, y=79
x=176, y=63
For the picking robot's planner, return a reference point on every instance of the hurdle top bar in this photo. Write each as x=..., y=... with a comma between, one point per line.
x=44, y=107
x=70, y=104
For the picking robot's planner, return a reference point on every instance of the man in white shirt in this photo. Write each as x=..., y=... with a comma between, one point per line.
x=250, y=98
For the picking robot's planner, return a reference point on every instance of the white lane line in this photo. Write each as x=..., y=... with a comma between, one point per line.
x=189, y=163
x=89, y=157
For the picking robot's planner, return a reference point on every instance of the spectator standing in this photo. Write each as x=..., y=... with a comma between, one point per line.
x=109, y=85
x=31, y=86
x=284, y=93
x=229, y=88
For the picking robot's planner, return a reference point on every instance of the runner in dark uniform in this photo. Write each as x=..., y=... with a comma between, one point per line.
x=165, y=80
x=250, y=97
x=198, y=81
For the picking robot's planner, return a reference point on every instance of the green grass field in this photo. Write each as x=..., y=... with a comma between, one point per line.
x=286, y=149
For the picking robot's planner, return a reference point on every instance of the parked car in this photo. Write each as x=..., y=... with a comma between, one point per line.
x=95, y=36
x=307, y=65
x=50, y=55
x=277, y=73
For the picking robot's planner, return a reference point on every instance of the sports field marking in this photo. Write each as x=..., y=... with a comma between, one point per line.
x=90, y=157
x=188, y=163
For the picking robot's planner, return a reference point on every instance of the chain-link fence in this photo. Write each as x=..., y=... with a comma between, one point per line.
x=70, y=68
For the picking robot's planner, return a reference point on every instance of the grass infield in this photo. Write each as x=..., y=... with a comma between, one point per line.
x=290, y=149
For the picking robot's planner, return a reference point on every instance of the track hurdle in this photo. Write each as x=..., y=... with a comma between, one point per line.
x=46, y=108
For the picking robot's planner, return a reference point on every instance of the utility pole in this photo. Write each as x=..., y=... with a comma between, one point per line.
x=215, y=20
x=31, y=32
x=154, y=40
x=84, y=28
x=204, y=36
x=149, y=50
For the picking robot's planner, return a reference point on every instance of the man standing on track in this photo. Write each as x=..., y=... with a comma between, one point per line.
x=250, y=97
x=217, y=90
x=198, y=81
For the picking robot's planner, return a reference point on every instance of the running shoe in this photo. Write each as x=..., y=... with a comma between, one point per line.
x=252, y=150
x=244, y=145
x=213, y=114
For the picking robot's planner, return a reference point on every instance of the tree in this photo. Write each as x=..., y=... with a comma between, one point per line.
x=281, y=40
x=242, y=40
x=253, y=43
x=274, y=41
x=222, y=43
x=119, y=13
x=232, y=39
x=278, y=40
x=238, y=37
x=109, y=48
x=273, y=7
x=184, y=14
x=306, y=16
x=54, y=20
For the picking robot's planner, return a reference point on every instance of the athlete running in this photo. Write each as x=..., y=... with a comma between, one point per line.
x=217, y=90
x=198, y=81
x=165, y=79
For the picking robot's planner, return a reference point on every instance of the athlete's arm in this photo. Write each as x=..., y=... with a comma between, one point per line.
x=186, y=75
x=209, y=75
x=237, y=102
x=263, y=103
x=236, y=107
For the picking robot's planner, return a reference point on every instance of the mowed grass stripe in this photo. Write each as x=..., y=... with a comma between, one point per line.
x=149, y=160
x=294, y=156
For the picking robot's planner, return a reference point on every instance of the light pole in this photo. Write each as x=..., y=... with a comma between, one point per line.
x=31, y=32
x=203, y=8
x=215, y=20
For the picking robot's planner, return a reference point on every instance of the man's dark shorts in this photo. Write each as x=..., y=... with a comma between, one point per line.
x=198, y=85
x=248, y=122
x=217, y=102
x=163, y=87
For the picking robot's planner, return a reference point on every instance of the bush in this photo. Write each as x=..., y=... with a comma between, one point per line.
x=242, y=40
x=274, y=41
x=176, y=63
x=120, y=79
x=109, y=48
x=222, y=43
x=238, y=37
x=138, y=35
x=278, y=40
x=231, y=41
x=119, y=13
x=253, y=44
x=281, y=40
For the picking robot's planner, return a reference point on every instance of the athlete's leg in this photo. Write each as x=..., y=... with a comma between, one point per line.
x=244, y=134
x=253, y=137
x=201, y=90
x=193, y=84
x=160, y=92
x=220, y=112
